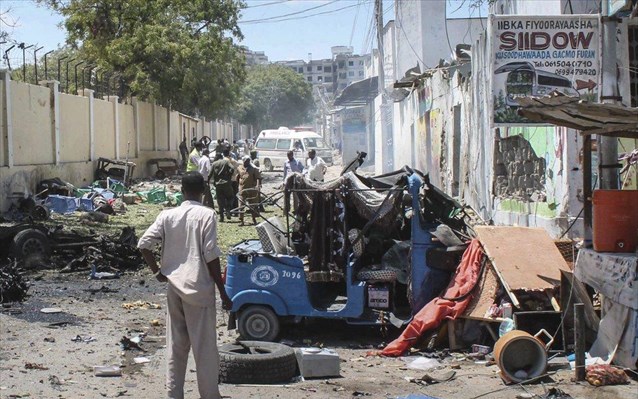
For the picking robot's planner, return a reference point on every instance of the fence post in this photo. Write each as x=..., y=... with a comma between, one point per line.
x=116, y=125
x=8, y=117
x=55, y=121
x=91, y=96
x=136, y=117
x=154, y=124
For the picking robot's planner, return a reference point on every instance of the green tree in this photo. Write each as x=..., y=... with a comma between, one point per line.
x=274, y=96
x=181, y=53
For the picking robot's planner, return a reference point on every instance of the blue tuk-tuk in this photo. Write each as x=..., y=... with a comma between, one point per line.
x=358, y=249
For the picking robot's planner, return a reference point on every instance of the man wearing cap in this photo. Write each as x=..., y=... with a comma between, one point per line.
x=249, y=186
x=190, y=264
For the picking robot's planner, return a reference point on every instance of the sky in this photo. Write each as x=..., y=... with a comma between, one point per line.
x=267, y=25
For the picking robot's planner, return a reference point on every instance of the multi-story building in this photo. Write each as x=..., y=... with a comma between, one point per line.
x=254, y=57
x=331, y=76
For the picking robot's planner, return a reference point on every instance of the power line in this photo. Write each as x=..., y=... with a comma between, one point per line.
x=354, y=24
x=267, y=4
x=269, y=19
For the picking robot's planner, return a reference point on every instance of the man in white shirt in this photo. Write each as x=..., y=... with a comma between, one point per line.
x=315, y=167
x=204, y=166
x=190, y=264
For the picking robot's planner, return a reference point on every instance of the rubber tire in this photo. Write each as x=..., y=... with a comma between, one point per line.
x=29, y=243
x=160, y=174
x=258, y=313
x=274, y=363
x=383, y=275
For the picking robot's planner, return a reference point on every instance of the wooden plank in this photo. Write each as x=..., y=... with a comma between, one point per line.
x=523, y=258
x=483, y=296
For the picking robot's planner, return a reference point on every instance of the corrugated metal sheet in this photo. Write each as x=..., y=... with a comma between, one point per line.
x=589, y=118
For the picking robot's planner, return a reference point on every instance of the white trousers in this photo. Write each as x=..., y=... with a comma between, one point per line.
x=191, y=326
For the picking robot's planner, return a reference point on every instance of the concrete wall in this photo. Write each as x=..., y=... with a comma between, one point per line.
x=145, y=117
x=104, y=133
x=527, y=176
x=31, y=116
x=46, y=134
x=74, y=128
x=424, y=35
x=128, y=137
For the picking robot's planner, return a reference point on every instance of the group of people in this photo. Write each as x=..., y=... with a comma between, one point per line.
x=190, y=260
x=229, y=177
x=315, y=168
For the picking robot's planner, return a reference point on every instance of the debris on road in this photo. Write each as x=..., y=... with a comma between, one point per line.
x=605, y=374
x=141, y=305
x=131, y=343
x=35, y=366
x=13, y=284
x=107, y=371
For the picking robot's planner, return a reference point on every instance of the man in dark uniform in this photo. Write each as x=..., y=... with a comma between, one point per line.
x=223, y=172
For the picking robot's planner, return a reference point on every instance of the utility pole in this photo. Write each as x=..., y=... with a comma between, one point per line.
x=378, y=12
x=383, y=145
x=608, y=146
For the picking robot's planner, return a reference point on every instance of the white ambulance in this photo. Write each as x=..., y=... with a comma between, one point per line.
x=273, y=144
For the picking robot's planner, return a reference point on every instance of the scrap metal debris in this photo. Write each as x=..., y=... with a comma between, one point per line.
x=35, y=366
x=13, y=285
x=128, y=344
x=141, y=305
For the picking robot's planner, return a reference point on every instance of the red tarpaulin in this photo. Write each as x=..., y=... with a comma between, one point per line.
x=439, y=309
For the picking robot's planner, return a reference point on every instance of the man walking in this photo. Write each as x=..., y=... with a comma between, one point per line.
x=223, y=172
x=292, y=165
x=190, y=264
x=249, y=186
x=315, y=167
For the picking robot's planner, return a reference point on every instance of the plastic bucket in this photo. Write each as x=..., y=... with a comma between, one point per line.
x=615, y=220
x=521, y=356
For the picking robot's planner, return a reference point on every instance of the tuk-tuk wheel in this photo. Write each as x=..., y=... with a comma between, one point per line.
x=160, y=174
x=258, y=323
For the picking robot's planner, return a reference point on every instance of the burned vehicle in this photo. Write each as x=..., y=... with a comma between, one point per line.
x=359, y=249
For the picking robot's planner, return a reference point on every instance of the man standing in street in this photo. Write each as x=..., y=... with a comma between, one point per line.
x=193, y=157
x=292, y=165
x=235, y=184
x=223, y=172
x=190, y=264
x=315, y=167
x=204, y=169
x=249, y=186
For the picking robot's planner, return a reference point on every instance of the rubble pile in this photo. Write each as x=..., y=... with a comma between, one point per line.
x=76, y=252
x=13, y=285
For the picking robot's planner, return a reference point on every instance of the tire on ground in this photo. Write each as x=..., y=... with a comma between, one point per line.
x=30, y=243
x=256, y=362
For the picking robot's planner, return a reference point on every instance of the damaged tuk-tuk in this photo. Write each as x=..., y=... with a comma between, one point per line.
x=366, y=250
